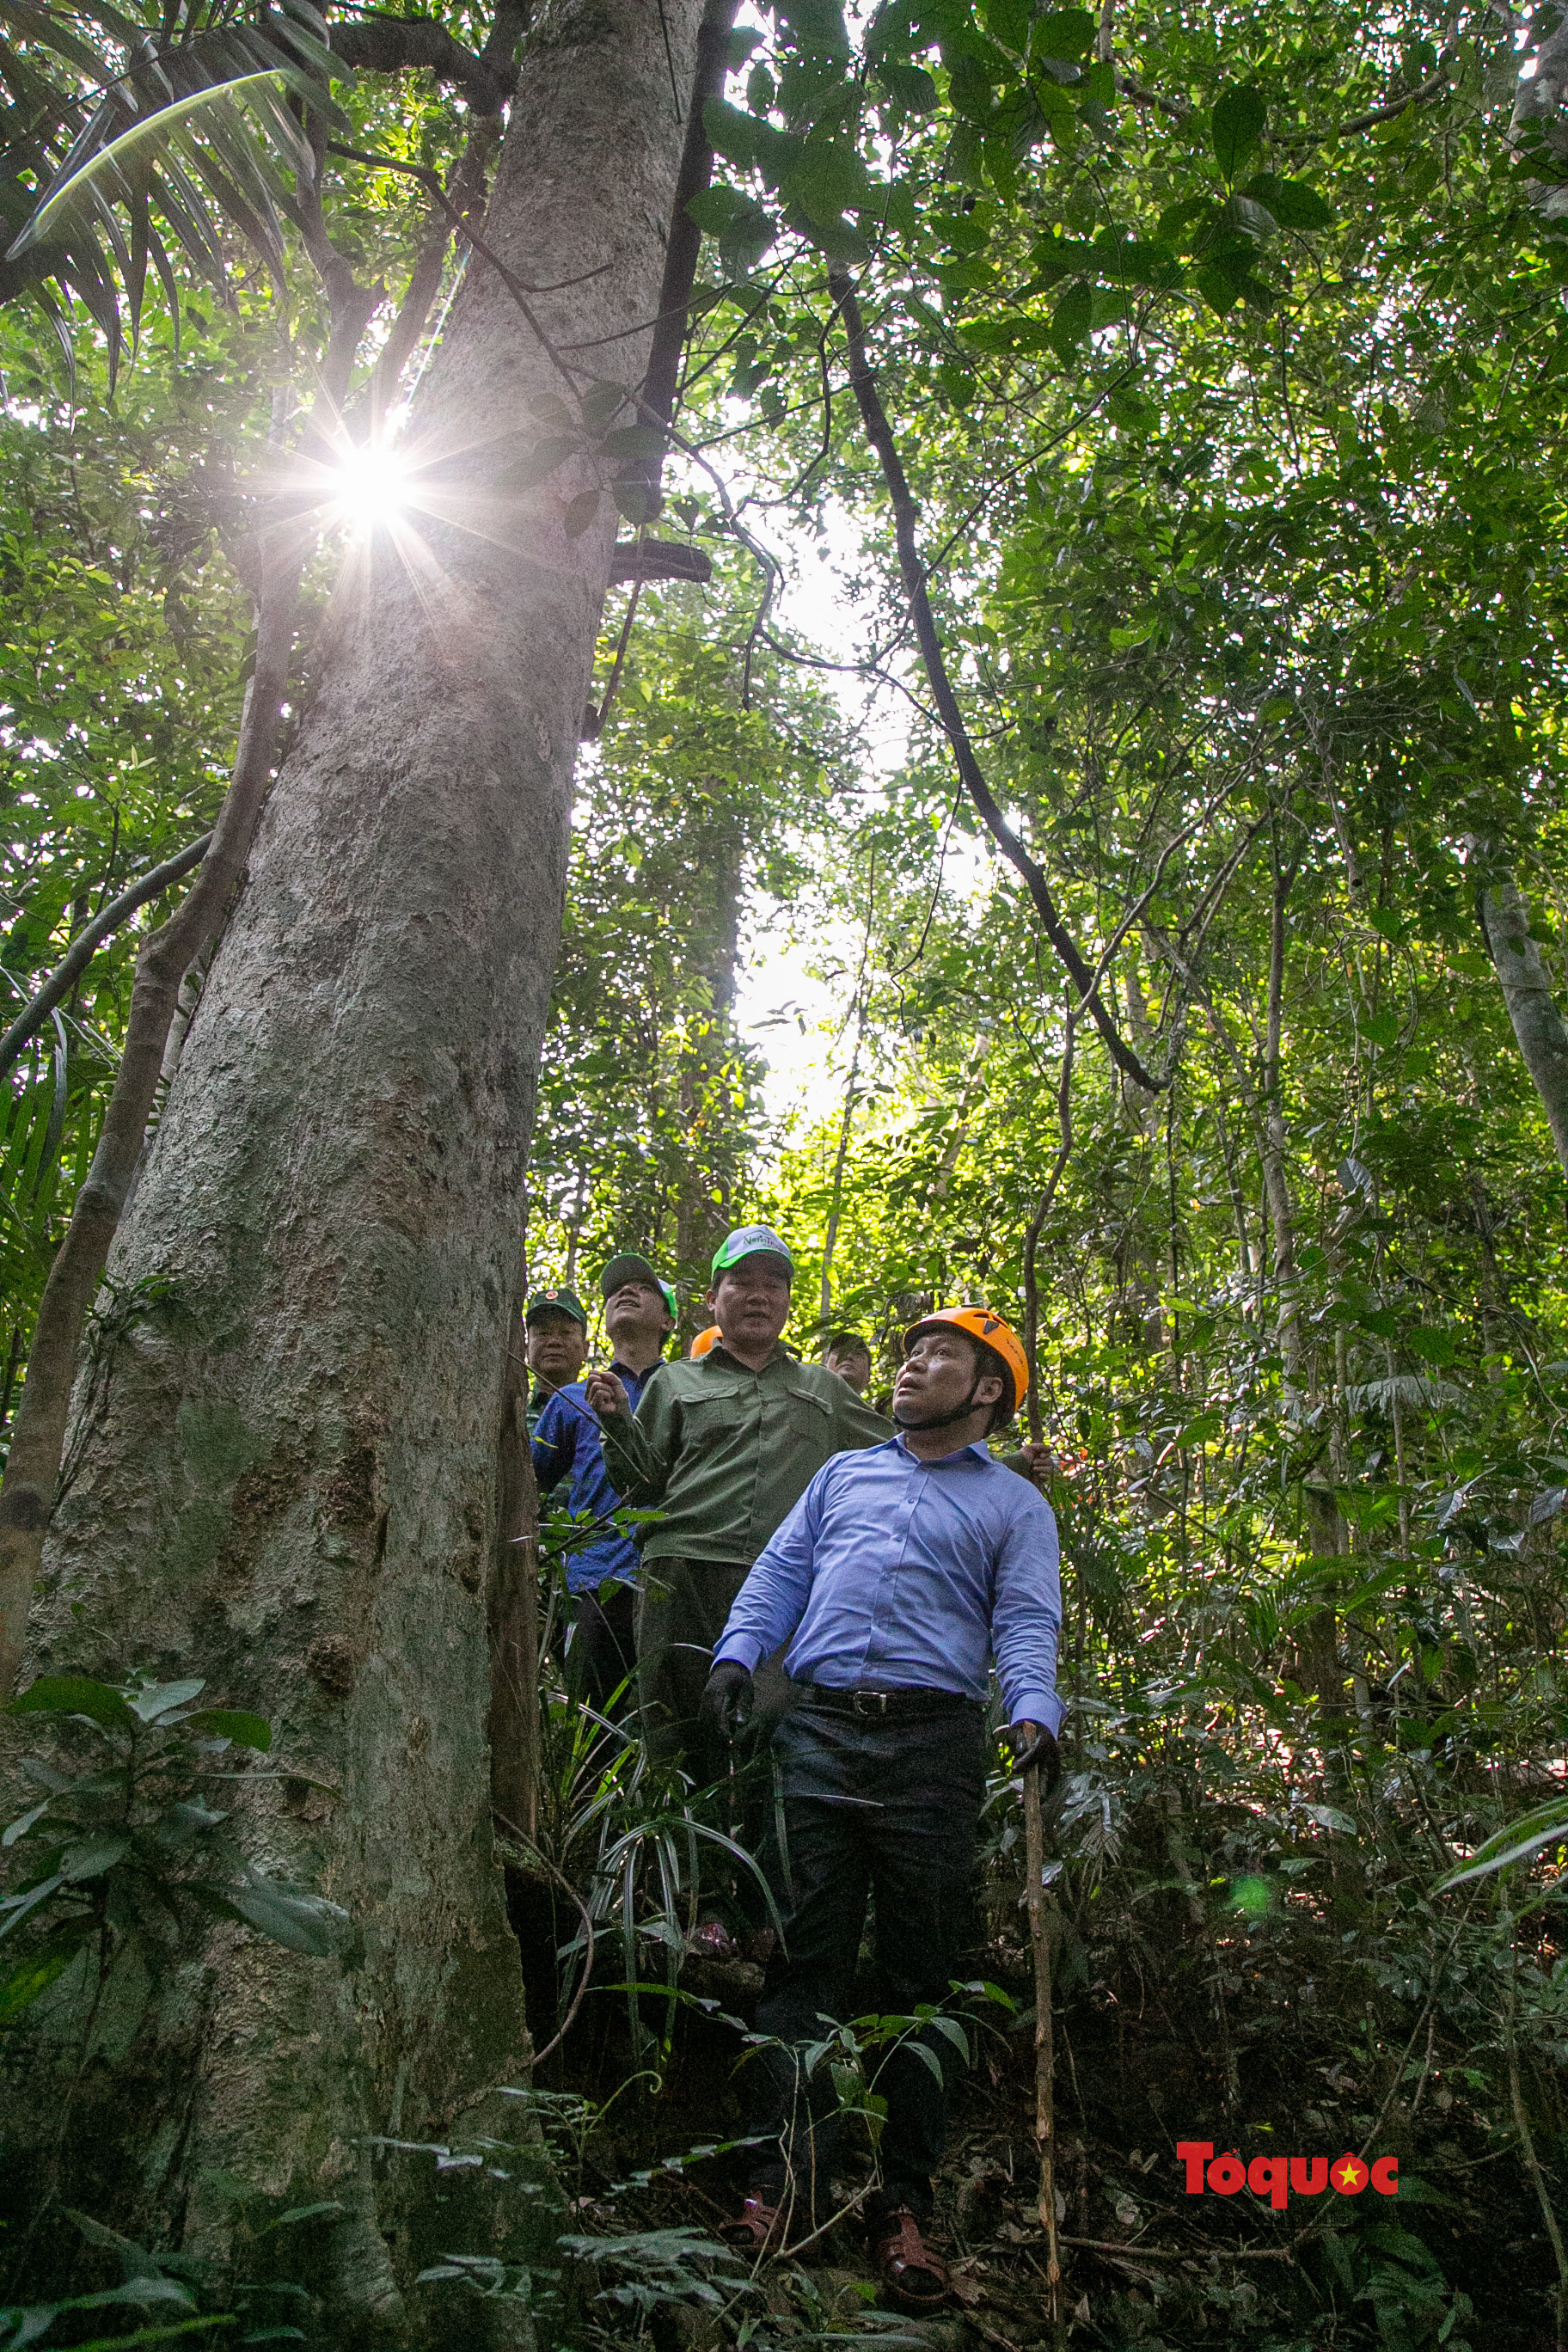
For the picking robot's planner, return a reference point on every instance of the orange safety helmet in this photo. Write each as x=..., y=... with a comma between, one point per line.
x=705, y=1340
x=979, y=1323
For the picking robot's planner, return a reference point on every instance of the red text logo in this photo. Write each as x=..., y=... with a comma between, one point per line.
x=1279, y=2177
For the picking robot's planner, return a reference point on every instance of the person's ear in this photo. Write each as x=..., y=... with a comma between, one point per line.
x=994, y=1385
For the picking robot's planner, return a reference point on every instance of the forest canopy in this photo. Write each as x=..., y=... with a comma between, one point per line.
x=522, y=530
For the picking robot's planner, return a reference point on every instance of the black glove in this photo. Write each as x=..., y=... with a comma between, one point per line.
x=1032, y=1744
x=726, y=1705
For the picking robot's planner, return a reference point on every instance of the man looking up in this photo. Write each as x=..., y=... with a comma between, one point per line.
x=639, y=1315
x=724, y=1446
x=847, y=1355
x=899, y=1574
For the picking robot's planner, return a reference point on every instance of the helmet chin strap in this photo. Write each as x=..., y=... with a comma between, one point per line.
x=941, y=1419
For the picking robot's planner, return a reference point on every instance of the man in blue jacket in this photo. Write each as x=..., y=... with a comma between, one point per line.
x=602, y=1573
x=900, y=1574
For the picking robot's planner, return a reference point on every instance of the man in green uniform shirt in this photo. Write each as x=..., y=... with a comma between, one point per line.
x=724, y=1446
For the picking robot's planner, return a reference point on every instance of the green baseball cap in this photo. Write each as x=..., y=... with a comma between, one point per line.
x=556, y=1302
x=630, y=1266
x=750, y=1241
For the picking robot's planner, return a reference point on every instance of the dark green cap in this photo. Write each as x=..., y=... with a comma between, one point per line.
x=556, y=1302
x=630, y=1266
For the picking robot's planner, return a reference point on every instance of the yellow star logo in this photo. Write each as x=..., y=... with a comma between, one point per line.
x=1350, y=2174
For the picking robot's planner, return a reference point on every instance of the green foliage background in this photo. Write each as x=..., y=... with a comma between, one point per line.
x=1227, y=359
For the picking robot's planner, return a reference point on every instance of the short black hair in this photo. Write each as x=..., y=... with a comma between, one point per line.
x=849, y=1343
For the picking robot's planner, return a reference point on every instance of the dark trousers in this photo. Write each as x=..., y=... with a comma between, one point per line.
x=681, y=1611
x=889, y=1810
x=603, y=1651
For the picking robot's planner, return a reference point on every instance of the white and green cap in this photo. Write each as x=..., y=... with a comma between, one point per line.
x=750, y=1241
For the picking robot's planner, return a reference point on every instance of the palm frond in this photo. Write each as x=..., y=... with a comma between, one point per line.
x=128, y=134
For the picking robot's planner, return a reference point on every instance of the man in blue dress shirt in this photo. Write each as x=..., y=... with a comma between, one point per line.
x=901, y=1573
x=602, y=1574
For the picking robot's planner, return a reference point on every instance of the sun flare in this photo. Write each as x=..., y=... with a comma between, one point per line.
x=370, y=487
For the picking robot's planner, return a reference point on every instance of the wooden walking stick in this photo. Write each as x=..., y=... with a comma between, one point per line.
x=1033, y=1809
x=1045, y=2051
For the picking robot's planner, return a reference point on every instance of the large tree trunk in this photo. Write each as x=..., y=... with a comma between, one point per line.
x=291, y=1491
x=1537, y=1023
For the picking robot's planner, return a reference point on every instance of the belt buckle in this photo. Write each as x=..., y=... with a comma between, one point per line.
x=872, y=1703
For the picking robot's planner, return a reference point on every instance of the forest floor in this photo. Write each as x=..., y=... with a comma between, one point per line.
x=1264, y=2035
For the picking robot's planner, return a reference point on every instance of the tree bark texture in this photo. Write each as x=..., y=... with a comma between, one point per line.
x=1537, y=1023
x=293, y=1490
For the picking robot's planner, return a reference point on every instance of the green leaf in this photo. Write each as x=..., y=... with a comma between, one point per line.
x=910, y=86
x=827, y=179
x=743, y=229
x=1330, y=1817
x=182, y=1824
x=304, y=1922
x=1138, y=633
x=602, y=404
x=23, y=1821
x=814, y=24
x=527, y=472
x=1244, y=212
x=19, y=1907
x=1292, y=203
x=1432, y=1347
x=22, y=1985
x=75, y=1694
x=840, y=240
x=580, y=512
x=159, y=1698
x=1382, y=1028
x=299, y=2213
x=634, y=441
x=75, y=183
x=1070, y=322
x=91, y=1857
x=1007, y=21
x=1066, y=33
x=1219, y=288
x=951, y=2029
x=633, y=501
x=748, y=141
x=1545, y=1825
x=233, y=1723
x=1235, y=127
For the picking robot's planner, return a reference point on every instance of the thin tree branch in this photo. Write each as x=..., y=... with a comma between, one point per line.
x=467, y=188
x=1036, y=1225
x=418, y=43
x=657, y=400
x=1436, y=85
x=905, y=516
x=88, y=941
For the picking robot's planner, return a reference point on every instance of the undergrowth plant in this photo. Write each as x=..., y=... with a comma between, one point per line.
x=125, y=1847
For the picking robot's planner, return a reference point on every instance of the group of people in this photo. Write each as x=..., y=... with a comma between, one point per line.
x=830, y=1587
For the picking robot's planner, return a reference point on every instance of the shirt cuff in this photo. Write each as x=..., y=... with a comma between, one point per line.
x=1042, y=1706
x=743, y=1649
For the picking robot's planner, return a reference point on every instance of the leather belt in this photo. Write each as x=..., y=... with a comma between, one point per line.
x=889, y=1706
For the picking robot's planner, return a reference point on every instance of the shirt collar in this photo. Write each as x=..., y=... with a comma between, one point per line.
x=981, y=1452
x=780, y=1356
